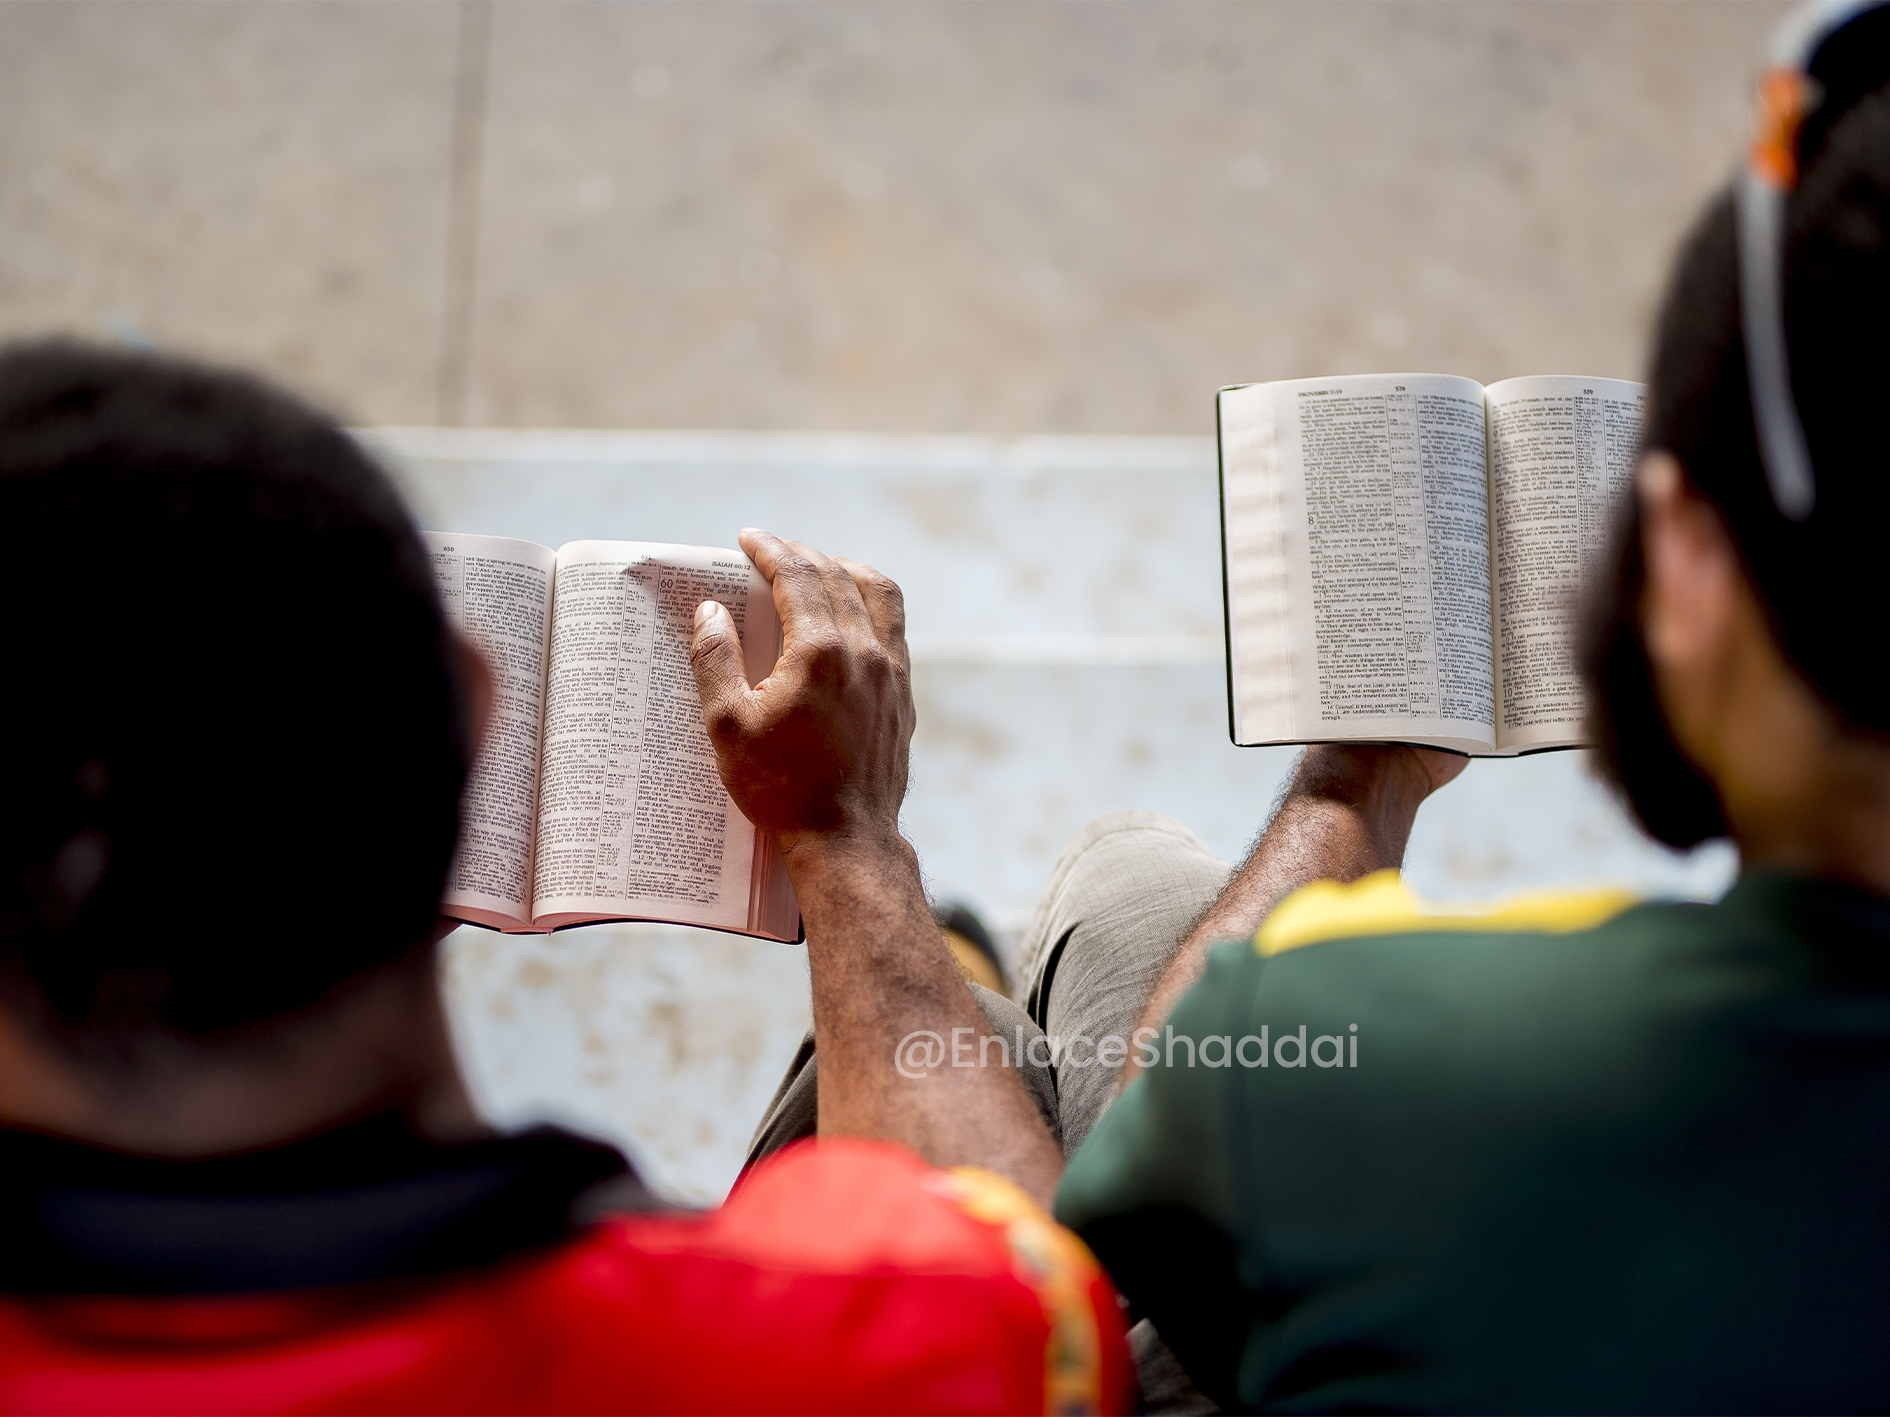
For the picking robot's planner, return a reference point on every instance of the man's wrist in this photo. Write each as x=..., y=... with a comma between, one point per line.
x=1380, y=785
x=811, y=856
x=1370, y=776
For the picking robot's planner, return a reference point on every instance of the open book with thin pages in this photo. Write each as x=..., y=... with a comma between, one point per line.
x=596, y=794
x=1403, y=555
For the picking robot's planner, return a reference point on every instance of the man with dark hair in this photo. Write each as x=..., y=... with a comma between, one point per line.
x=239, y=1168
x=1571, y=1153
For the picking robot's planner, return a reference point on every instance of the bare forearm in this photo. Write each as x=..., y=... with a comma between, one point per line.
x=817, y=754
x=1348, y=813
x=881, y=973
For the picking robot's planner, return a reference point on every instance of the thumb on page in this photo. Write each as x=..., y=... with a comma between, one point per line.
x=716, y=657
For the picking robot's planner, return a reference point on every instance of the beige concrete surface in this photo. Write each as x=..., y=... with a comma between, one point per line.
x=1013, y=218
x=261, y=183
x=1002, y=218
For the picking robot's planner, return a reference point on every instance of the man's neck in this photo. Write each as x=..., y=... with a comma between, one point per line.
x=379, y=1044
x=1836, y=826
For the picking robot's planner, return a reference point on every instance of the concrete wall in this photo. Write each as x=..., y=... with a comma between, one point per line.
x=1001, y=218
x=1064, y=609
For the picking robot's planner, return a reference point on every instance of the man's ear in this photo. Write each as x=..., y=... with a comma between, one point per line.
x=481, y=690
x=1693, y=574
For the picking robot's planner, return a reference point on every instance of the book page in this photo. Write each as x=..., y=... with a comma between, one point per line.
x=1562, y=460
x=497, y=592
x=633, y=819
x=1355, y=517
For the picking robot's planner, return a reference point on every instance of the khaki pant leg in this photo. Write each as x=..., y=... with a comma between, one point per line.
x=1119, y=903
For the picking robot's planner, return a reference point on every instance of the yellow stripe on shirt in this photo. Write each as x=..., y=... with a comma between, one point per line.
x=1058, y=1267
x=1381, y=904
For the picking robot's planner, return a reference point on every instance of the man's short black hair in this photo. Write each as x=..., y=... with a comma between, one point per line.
x=1822, y=581
x=232, y=737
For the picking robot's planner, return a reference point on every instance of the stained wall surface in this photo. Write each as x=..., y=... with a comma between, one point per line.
x=970, y=231
x=1064, y=607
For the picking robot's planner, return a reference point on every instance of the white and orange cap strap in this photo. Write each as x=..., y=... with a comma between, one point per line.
x=1787, y=95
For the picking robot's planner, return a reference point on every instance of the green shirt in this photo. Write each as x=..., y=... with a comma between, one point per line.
x=1641, y=1164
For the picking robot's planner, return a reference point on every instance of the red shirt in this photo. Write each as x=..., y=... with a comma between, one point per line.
x=842, y=1276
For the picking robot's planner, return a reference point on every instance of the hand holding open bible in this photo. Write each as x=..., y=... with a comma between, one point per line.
x=1403, y=554
x=596, y=795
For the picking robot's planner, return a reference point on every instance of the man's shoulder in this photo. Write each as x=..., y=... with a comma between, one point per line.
x=1382, y=904
x=1411, y=994
x=1379, y=928
x=842, y=1205
x=987, y=1288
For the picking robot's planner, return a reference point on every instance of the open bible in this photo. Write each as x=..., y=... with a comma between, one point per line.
x=1403, y=554
x=596, y=795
